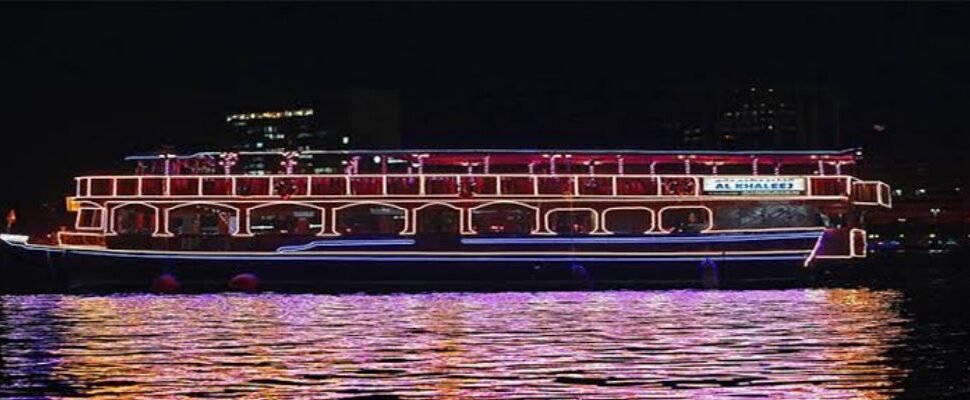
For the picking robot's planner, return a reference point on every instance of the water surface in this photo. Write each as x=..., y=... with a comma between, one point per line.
x=806, y=343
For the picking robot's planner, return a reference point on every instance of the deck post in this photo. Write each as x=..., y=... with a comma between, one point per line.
x=161, y=221
x=242, y=222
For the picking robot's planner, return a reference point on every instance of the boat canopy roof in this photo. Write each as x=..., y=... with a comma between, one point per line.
x=527, y=156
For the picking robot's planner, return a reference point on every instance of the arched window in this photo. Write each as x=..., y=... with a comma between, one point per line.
x=685, y=219
x=202, y=219
x=134, y=219
x=285, y=219
x=628, y=220
x=370, y=219
x=504, y=218
x=438, y=218
x=571, y=221
x=90, y=218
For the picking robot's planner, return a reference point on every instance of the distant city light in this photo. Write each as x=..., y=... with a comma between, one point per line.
x=345, y=139
x=303, y=112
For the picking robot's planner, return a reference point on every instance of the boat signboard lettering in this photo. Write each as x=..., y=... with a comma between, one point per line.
x=754, y=185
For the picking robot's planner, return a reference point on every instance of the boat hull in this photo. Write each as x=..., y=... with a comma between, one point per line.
x=482, y=266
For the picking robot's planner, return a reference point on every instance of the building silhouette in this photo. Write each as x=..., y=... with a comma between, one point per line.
x=749, y=116
x=276, y=131
x=339, y=120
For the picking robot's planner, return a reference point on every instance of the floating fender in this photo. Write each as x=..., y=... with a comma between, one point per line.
x=580, y=273
x=710, y=276
x=244, y=283
x=166, y=284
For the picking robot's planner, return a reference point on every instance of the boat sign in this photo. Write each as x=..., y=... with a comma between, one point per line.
x=757, y=185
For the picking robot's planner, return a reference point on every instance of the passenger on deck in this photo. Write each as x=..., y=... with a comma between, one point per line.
x=223, y=223
x=690, y=226
x=302, y=227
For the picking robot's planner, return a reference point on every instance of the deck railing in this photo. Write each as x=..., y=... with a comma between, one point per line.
x=447, y=186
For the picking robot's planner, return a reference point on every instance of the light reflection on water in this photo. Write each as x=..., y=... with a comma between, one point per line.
x=664, y=344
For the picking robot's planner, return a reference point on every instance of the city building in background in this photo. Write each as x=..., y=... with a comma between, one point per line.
x=931, y=204
x=346, y=119
x=276, y=130
x=283, y=130
x=748, y=116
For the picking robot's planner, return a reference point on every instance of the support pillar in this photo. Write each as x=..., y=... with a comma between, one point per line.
x=242, y=222
x=161, y=222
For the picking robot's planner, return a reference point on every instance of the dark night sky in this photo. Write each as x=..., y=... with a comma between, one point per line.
x=84, y=85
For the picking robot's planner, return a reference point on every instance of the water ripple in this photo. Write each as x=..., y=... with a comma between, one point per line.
x=598, y=345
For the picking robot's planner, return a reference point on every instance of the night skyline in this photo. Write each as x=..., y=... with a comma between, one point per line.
x=91, y=84
x=516, y=200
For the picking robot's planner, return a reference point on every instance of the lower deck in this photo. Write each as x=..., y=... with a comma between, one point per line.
x=444, y=261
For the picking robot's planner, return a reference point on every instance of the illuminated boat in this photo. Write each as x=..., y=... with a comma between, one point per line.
x=469, y=218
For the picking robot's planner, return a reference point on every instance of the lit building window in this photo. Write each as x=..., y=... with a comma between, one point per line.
x=259, y=145
x=346, y=140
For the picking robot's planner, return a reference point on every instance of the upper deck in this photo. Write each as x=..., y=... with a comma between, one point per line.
x=456, y=174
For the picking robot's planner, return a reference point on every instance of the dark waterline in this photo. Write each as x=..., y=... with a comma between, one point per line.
x=797, y=343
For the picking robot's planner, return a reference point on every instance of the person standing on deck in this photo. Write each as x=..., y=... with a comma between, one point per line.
x=11, y=219
x=140, y=222
x=223, y=223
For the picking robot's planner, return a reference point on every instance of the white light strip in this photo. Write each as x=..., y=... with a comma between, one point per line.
x=170, y=253
x=345, y=243
x=410, y=221
x=847, y=152
x=415, y=212
x=11, y=238
x=818, y=244
x=421, y=178
x=733, y=238
x=790, y=256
